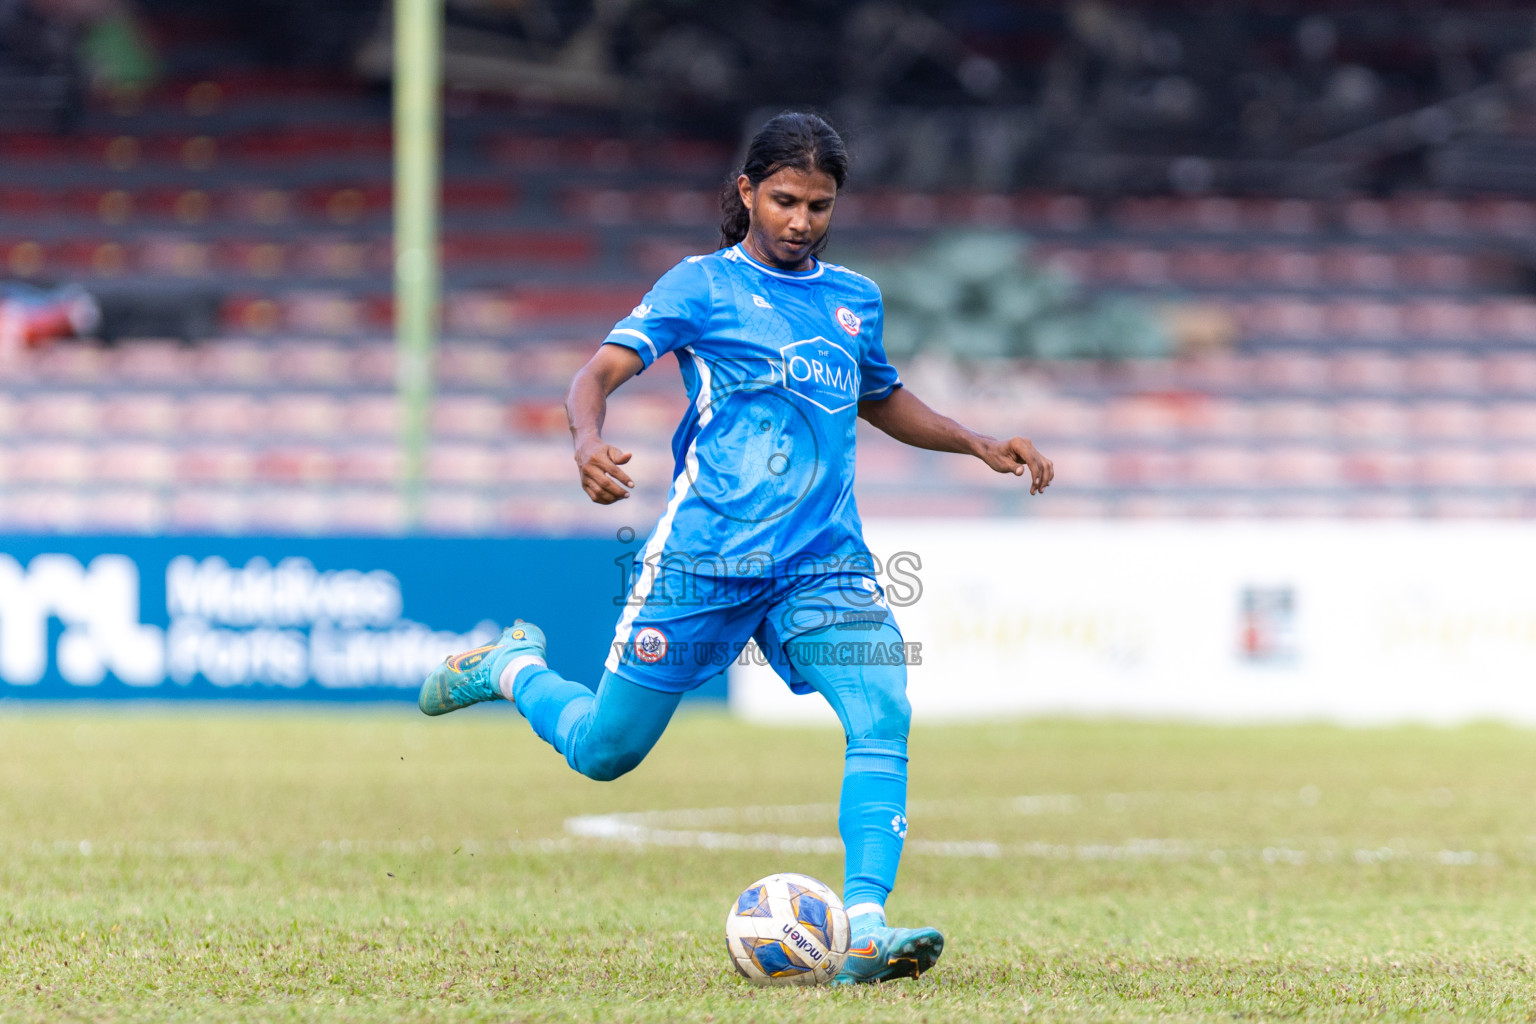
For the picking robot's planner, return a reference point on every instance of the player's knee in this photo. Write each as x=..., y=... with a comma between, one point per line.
x=890, y=714
x=607, y=764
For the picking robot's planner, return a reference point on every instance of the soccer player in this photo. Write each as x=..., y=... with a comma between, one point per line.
x=780, y=353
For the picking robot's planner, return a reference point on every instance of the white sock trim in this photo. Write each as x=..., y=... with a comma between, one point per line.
x=516, y=665
x=859, y=909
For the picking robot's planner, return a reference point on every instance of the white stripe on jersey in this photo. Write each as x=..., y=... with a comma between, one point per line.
x=637, y=334
x=658, y=543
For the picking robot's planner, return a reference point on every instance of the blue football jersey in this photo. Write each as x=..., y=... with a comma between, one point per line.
x=776, y=363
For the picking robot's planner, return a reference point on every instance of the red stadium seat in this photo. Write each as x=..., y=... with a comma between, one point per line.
x=1512, y=373
x=466, y=365
x=311, y=362
x=229, y=414
x=309, y=464
x=126, y=510
x=1371, y=372
x=371, y=417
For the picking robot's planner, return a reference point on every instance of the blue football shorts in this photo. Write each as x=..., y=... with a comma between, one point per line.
x=678, y=629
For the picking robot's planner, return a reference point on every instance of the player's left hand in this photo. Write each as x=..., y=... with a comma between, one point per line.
x=1017, y=454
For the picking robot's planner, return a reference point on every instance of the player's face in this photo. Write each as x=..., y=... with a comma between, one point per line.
x=791, y=210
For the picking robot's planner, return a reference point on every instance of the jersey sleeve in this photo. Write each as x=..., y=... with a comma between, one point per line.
x=673, y=313
x=877, y=377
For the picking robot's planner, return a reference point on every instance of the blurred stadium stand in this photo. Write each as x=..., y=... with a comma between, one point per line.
x=1350, y=196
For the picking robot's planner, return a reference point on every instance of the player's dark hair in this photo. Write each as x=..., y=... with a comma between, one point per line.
x=802, y=141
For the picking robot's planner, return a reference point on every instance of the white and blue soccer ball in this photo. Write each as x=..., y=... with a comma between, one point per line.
x=787, y=929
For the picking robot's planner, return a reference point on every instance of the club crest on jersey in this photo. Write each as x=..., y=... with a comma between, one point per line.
x=848, y=320
x=650, y=645
x=822, y=372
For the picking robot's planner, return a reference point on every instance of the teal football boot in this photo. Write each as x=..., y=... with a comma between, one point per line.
x=472, y=677
x=878, y=952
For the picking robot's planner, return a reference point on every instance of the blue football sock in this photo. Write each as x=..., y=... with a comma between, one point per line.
x=872, y=818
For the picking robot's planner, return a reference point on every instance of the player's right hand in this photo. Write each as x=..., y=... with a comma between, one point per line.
x=601, y=477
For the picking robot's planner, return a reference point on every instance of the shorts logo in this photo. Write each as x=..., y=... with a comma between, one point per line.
x=650, y=645
x=848, y=321
x=899, y=825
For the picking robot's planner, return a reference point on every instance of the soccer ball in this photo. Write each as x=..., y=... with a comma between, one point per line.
x=787, y=929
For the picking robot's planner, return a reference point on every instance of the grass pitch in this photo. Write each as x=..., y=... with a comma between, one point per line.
x=369, y=865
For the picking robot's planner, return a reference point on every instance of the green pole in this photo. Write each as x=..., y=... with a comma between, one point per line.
x=418, y=45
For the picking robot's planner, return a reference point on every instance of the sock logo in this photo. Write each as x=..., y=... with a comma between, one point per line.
x=899, y=825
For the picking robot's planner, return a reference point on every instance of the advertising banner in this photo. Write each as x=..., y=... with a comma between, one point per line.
x=288, y=618
x=1348, y=622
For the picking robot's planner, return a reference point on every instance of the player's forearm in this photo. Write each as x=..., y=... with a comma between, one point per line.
x=909, y=420
x=586, y=406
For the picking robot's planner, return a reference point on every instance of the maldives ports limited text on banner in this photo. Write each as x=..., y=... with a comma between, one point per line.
x=340, y=619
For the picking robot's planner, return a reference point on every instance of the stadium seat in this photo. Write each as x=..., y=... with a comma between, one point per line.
x=1301, y=466
x=371, y=416
x=463, y=464
x=1370, y=421
x=134, y=463
x=126, y=510
x=370, y=464
x=311, y=362
x=540, y=462
x=368, y=512
x=1292, y=372
x=1460, y=466
x=1291, y=420
x=296, y=463
x=477, y=366
x=1515, y=467
x=1221, y=466
x=132, y=414
x=1379, y=466
x=1447, y=421
x=59, y=414
x=300, y=414
x=196, y=510
x=476, y=417
x=458, y=512
x=51, y=462
x=1141, y=418
x=221, y=414
x=1445, y=373
x=1509, y=373
x=47, y=509
x=1511, y=421
x=215, y=464
x=1369, y=372
x=232, y=362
